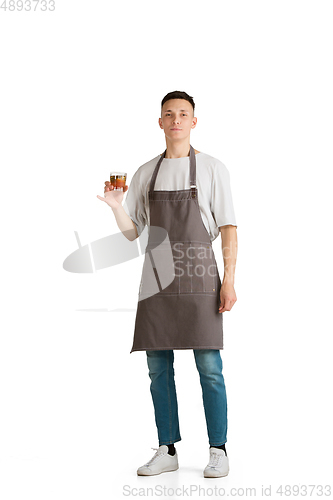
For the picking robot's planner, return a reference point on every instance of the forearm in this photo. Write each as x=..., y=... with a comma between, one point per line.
x=125, y=223
x=229, y=252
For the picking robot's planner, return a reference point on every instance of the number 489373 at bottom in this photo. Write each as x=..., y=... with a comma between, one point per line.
x=26, y=5
x=304, y=490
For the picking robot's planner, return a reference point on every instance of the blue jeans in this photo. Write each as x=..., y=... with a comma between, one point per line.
x=163, y=391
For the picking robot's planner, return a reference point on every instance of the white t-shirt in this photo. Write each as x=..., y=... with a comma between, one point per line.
x=213, y=184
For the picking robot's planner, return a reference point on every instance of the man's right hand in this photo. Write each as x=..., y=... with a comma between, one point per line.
x=112, y=197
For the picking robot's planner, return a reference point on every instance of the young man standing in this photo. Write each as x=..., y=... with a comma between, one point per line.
x=185, y=196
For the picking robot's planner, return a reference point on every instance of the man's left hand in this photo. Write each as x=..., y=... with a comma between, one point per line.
x=227, y=297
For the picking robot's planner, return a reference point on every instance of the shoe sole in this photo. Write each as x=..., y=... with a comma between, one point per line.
x=222, y=475
x=156, y=473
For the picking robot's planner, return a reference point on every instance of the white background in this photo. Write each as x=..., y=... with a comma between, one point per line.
x=80, y=94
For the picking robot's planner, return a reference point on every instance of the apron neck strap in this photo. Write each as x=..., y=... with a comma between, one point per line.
x=192, y=170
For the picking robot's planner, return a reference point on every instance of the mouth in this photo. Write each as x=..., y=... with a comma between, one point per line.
x=176, y=129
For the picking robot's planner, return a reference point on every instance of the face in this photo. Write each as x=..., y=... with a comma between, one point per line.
x=177, y=119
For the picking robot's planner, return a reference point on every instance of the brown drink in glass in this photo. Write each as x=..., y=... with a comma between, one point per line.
x=118, y=180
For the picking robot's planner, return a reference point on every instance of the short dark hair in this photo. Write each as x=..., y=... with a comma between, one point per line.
x=177, y=94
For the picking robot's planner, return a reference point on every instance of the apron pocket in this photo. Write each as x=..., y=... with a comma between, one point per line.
x=195, y=268
x=158, y=271
x=184, y=268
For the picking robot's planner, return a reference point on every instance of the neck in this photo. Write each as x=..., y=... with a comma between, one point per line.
x=178, y=149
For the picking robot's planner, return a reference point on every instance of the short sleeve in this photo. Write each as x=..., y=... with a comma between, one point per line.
x=134, y=204
x=221, y=200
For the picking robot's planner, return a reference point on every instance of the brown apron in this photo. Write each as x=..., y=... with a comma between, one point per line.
x=184, y=314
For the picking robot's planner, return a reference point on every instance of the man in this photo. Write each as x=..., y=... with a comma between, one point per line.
x=184, y=197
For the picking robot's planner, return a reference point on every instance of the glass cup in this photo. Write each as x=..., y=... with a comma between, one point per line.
x=118, y=180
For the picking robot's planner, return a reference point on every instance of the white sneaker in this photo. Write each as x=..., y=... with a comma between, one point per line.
x=218, y=463
x=161, y=462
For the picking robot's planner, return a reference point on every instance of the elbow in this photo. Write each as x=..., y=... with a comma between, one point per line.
x=130, y=234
